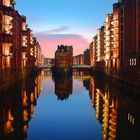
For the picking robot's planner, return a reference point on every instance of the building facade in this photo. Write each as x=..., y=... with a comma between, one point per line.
x=92, y=49
x=131, y=39
x=63, y=58
x=108, y=42
x=17, y=49
x=115, y=48
x=100, y=44
x=87, y=57
x=118, y=42
x=78, y=59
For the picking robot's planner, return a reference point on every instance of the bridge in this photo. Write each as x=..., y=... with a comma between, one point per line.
x=73, y=67
x=81, y=67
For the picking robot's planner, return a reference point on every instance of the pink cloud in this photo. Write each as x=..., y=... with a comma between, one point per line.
x=49, y=42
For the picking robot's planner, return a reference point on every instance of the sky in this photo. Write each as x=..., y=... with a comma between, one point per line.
x=68, y=22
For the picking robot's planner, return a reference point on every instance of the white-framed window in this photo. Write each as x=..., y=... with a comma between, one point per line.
x=133, y=61
x=130, y=62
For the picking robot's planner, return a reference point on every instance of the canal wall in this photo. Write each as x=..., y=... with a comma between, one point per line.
x=130, y=83
x=8, y=77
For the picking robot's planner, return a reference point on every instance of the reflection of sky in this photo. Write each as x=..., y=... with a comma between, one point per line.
x=77, y=20
x=72, y=119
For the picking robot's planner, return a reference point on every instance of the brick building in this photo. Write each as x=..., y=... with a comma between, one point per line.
x=108, y=42
x=92, y=49
x=63, y=58
x=87, y=57
x=121, y=49
x=78, y=59
x=17, y=49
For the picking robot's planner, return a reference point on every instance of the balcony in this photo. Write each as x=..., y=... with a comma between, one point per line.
x=24, y=41
x=24, y=55
x=7, y=3
x=7, y=24
x=6, y=55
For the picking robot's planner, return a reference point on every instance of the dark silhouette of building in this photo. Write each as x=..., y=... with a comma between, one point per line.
x=63, y=86
x=87, y=57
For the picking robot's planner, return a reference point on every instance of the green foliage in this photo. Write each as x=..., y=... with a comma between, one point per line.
x=13, y=2
x=120, y=1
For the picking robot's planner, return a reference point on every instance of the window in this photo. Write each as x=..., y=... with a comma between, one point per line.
x=133, y=62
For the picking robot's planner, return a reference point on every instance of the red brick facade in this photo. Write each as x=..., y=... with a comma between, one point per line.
x=122, y=41
x=16, y=40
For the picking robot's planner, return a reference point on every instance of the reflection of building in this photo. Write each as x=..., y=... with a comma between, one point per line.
x=118, y=115
x=17, y=108
x=63, y=58
x=63, y=87
x=86, y=83
x=46, y=72
x=78, y=59
x=81, y=74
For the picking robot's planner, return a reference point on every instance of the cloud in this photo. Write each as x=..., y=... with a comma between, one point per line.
x=58, y=30
x=49, y=42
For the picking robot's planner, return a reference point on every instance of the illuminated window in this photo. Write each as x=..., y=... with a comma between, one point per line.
x=7, y=3
x=135, y=61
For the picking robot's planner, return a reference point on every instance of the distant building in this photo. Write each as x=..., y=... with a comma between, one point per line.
x=48, y=62
x=100, y=63
x=87, y=57
x=92, y=49
x=91, y=53
x=63, y=58
x=78, y=59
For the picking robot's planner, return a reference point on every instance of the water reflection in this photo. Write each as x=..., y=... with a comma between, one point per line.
x=17, y=108
x=117, y=113
x=63, y=87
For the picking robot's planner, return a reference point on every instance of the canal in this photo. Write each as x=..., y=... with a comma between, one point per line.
x=77, y=107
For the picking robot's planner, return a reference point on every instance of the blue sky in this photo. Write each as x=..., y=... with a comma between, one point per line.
x=72, y=17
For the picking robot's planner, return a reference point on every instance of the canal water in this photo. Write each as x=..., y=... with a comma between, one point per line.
x=77, y=107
